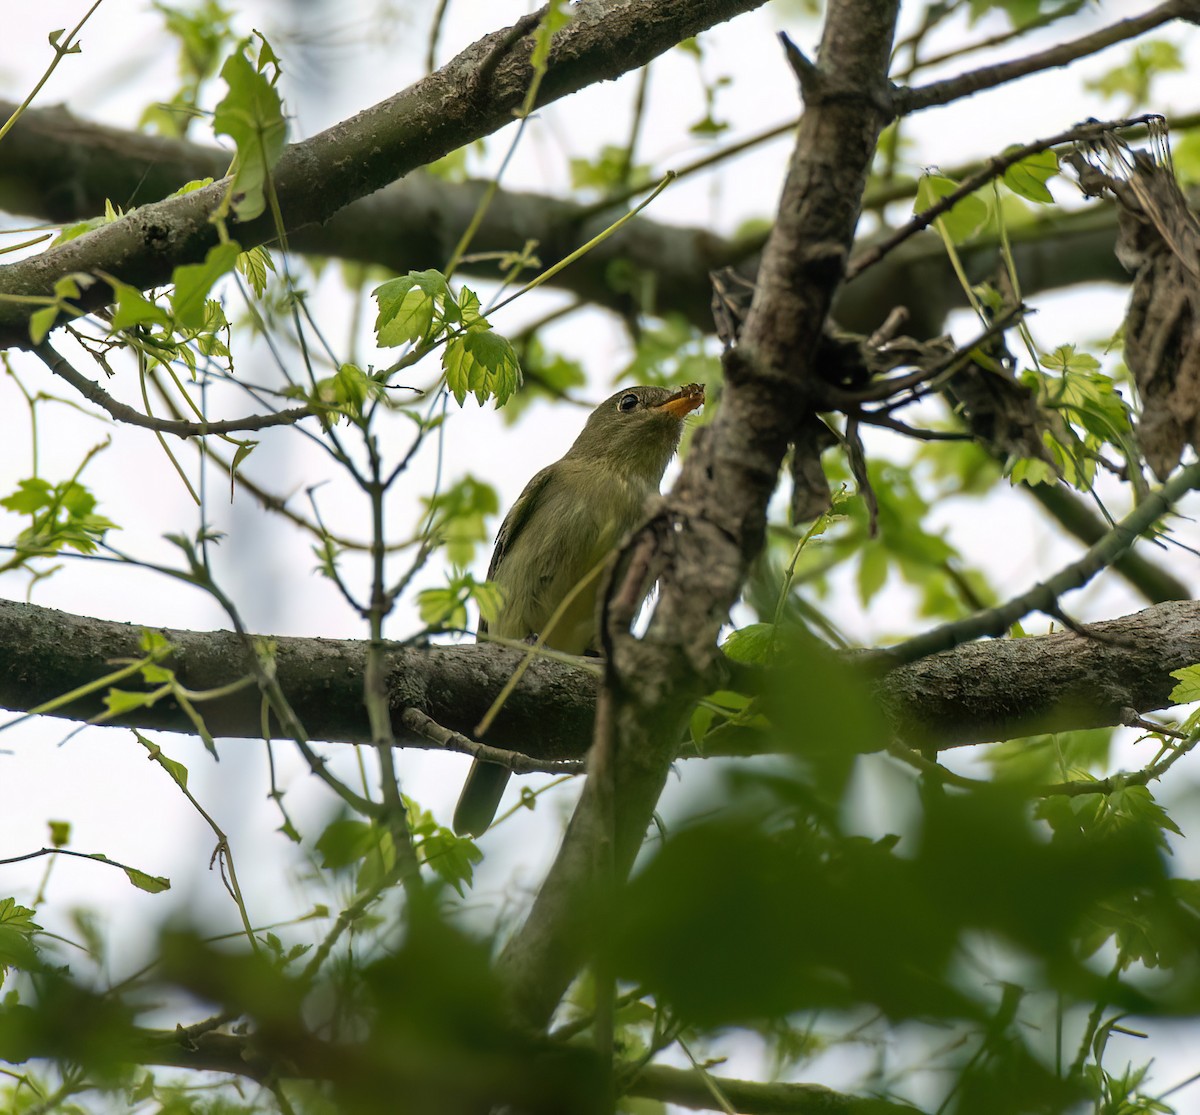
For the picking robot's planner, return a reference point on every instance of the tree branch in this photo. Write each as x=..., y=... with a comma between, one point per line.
x=714, y=522
x=241, y=1055
x=62, y=169
x=316, y=178
x=907, y=101
x=1044, y=597
x=991, y=690
x=131, y=416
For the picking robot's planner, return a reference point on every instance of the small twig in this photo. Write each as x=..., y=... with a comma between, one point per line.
x=1000, y=39
x=993, y=168
x=95, y=857
x=1043, y=597
x=1131, y=719
x=856, y=457
x=915, y=759
x=435, y=31
x=122, y=412
x=907, y=101
x=802, y=67
x=426, y=728
x=507, y=40
x=875, y=418
x=840, y=398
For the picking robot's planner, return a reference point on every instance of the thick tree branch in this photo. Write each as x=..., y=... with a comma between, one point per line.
x=471, y=96
x=62, y=169
x=242, y=1055
x=701, y=545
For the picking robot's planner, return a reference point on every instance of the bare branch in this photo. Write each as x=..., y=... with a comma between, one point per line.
x=1044, y=597
x=907, y=101
x=122, y=412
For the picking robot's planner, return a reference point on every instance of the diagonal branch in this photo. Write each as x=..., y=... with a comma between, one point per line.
x=907, y=101
x=473, y=95
x=713, y=525
x=131, y=416
x=1044, y=597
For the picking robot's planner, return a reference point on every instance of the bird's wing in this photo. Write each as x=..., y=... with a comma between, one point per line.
x=514, y=522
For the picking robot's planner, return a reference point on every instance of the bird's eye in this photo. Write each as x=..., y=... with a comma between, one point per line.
x=628, y=402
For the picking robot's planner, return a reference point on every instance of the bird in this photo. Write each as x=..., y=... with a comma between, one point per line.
x=554, y=541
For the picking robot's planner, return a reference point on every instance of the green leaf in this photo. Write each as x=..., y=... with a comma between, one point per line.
x=408, y=307
x=177, y=771
x=193, y=281
x=1032, y=471
x=117, y=702
x=751, y=644
x=30, y=496
x=489, y=597
x=607, y=171
x=254, y=265
x=1188, y=689
x=1133, y=79
x=872, y=572
x=457, y=517
x=452, y=858
x=345, y=842
x=481, y=363
x=41, y=322
x=17, y=930
x=1028, y=178
x=251, y=114
x=244, y=449
x=441, y=607
x=152, y=884
x=964, y=219
x=134, y=308
x=469, y=312
x=192, y=186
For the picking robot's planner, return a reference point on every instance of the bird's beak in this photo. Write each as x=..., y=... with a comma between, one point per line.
x=684, y=401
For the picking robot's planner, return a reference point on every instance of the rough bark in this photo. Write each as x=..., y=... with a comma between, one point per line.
x=991, y=690
x=701, y=545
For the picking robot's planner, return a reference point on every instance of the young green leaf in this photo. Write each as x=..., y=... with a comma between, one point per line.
x=481, y=363
x=193, y=281
x=965, y=217
x=251, y=114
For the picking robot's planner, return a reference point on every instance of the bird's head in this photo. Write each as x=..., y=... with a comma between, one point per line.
x=636, y=430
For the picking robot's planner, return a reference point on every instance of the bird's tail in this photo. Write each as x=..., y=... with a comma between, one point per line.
x=480, y=798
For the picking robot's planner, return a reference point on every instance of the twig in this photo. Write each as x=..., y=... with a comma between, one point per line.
x=993, y=168
x=907, y=101
x=840, y=398
x=426, y=728
x=1044, y=20
x=1044, y=596
x=122, y=412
